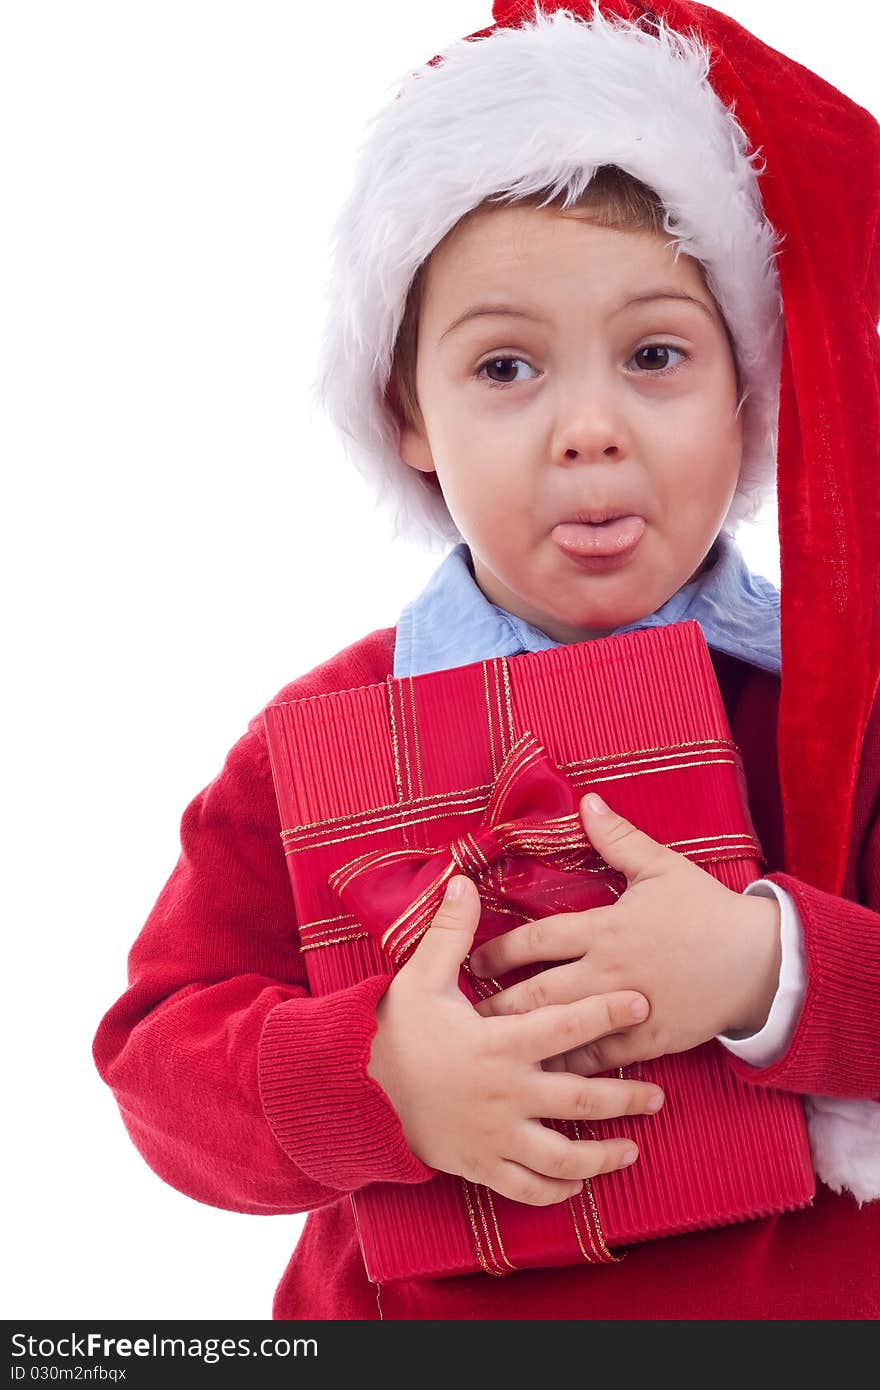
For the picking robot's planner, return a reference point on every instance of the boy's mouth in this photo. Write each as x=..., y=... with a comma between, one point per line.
x=595, y=517
x=614, y=537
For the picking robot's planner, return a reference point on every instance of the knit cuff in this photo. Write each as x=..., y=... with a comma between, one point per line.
x=327, y=1113
x=835, y=1047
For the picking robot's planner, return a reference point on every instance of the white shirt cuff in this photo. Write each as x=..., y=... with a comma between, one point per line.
x=771, y=1041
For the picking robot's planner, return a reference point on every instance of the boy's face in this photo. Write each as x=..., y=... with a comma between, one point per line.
x=582, y=415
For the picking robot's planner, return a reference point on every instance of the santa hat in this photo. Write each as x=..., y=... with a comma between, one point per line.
x=769, y=178
x=563, y=97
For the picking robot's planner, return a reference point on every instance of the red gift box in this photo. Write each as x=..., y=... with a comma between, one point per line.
x=386, y=791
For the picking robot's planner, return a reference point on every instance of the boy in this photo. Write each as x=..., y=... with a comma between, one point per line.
x=241, y=1089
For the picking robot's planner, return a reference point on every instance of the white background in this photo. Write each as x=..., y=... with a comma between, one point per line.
x=181, y=536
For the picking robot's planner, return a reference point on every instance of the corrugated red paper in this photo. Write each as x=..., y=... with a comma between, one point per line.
x=411, y=769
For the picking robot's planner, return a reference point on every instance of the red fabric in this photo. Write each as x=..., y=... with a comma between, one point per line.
x=241, y=1090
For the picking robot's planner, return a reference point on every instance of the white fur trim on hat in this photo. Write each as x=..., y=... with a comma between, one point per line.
x=519, y=110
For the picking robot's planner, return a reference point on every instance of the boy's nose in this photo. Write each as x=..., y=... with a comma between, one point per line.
x=588, y=421
x=588, y=434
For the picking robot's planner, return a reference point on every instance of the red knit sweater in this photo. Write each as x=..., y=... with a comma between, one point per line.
x=243, y=1091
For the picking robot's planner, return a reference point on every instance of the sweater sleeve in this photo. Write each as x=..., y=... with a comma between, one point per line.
x=237, y=1087
x=835, y=1047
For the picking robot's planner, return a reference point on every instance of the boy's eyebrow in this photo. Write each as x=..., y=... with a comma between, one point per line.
x=510, y=310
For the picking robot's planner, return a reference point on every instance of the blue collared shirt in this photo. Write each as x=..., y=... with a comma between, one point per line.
x=452, y=623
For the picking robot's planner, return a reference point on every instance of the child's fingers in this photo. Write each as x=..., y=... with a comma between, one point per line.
x=437, y=958
x=562, y=1096
x=523, y=1184
x=559, y=937
x=557, y=1028
x=550, y=1154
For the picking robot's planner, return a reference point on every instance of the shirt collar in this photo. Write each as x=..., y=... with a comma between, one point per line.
x=452, y=623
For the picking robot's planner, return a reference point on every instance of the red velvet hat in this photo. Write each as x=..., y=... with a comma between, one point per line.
x=770, y=179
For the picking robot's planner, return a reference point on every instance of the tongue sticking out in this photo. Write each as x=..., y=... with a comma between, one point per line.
x=599, y=538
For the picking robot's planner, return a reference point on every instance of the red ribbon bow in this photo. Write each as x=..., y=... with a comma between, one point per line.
x=532, y=812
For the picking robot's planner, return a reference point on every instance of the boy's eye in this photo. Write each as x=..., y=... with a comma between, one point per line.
x=504, y=363
x=663, y=369
x=650, y=367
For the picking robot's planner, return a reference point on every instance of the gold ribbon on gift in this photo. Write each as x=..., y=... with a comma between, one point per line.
x=532, y=813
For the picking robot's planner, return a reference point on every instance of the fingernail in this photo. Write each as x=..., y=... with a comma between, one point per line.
x=655, y=1102
x=455, y=887
x=596, y=804
x=629, y=1156
x=639, y=1008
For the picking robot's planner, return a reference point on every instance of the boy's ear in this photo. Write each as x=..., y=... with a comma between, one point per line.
x=413, y=445
x=415, y=450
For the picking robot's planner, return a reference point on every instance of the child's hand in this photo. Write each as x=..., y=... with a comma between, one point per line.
x=707, y=958
x=471, y=1091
